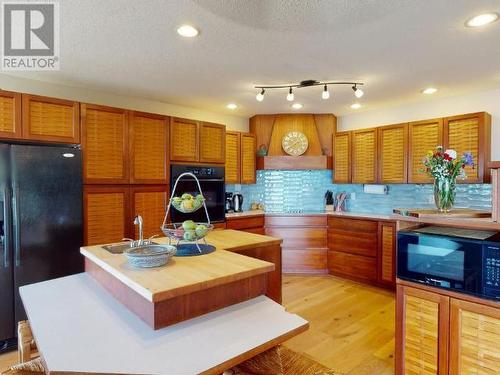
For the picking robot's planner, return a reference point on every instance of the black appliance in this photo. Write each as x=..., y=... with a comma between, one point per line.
x=466, y=261
x=41, y=227
x=213, y=186
x=229, y=202
x=237, y=202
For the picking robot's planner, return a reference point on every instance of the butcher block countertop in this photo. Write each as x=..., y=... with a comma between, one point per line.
x=184, y=275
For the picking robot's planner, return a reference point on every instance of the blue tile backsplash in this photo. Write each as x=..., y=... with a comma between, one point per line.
x=288, y=191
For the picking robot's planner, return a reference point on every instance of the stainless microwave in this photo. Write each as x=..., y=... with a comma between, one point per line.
x=466, y=261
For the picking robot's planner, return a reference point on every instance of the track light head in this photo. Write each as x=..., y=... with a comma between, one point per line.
x=325, y=94
x=260, y=96
x=358, y=93
x=290, y=97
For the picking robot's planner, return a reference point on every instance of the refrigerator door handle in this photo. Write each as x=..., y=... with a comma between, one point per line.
x=15, y=214
x=6, y=227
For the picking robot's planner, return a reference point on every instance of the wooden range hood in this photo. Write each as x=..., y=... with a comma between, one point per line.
x=270, y=129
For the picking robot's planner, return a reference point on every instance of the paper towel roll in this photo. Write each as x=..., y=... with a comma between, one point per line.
x=375, y=189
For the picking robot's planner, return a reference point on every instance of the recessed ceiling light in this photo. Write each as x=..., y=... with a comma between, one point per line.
x=481, y=20
x=429, y=90
x=356, y=106
x=297, y=106
x=187, y=31
x=231, y=106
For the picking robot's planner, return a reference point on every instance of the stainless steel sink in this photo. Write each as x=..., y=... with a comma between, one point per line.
x=119, y=248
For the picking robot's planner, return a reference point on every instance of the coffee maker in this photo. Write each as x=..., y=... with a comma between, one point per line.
x=228, y=203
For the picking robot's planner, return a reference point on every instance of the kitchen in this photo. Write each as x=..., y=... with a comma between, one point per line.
x=315, y=203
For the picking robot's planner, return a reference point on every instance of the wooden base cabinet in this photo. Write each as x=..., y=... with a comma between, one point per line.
x=251, y=224
x=439, y=333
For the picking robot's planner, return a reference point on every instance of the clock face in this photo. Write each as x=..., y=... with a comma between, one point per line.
x=294, y=143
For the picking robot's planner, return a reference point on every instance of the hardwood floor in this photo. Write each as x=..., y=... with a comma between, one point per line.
x=351, y=325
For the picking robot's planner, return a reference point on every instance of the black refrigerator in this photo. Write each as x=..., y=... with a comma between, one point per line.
x=41, y=228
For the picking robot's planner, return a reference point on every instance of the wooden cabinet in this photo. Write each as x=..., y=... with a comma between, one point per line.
x=364, y=156
x=304, y=242
x=50, y=119
x=342, y=157
x=151, y=203
x=233, y=158
x=474, y=338
x=10, y=115
x=104, y=145
x=423, y=136
x=148, y=154
x=392, y=154
x=470, y=133
x=387, y=253
x=252, y=224
x=248, y=166
x=106, y=216
x=422, y=320
x=212, y=143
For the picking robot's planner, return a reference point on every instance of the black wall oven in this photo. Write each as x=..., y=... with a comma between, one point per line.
x=213, y=186
x=467, y=261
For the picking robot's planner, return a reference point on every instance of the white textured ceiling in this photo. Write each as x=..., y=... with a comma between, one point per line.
x=397, y=47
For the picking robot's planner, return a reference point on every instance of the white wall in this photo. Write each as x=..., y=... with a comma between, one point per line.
x=96, y=97
x=488, y=101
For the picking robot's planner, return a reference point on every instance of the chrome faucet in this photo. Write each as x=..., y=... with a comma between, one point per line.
x=138, y=221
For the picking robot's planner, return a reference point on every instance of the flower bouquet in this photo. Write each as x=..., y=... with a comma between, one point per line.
x=445, y=168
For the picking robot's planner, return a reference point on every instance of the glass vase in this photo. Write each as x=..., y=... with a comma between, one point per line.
x=444, y=194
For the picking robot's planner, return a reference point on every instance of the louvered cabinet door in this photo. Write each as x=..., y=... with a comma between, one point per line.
x=106, y=216
x=423, y=136
x=342, y=157
x=151, y=203
x=212, y=143
x=474, y=338
x=233, y=157
x=148, y=148
x=393, y=155
x=248, y=161
x=422, y=320
x=364, y=156
x=470, y=133
x=104, y=144
x=387, y=253
x=184, y=140
x=10, y=115
x=50, y=119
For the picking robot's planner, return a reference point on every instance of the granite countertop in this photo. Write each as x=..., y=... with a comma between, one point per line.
x=311, y=213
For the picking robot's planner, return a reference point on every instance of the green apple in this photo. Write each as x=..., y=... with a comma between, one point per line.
x=190, y=235
x=186, y=196
x=189, y=225
x=201, y=230
x=200, y=197
x=177, y=200
x=187, y=205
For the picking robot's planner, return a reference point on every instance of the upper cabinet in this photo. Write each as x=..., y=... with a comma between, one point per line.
x=50, y=119
x=470, y=133
x=212, y=143
x=104, y=144
x=342, y=157
x=148, y=142
x=10, y=115
x=151, y=203
x=248, y=158
x=364, y=156
x=233, y=159
x=393, y=158
x=423, y=136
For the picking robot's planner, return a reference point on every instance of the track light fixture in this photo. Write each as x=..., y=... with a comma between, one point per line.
x=311, y=82
x=325, y=94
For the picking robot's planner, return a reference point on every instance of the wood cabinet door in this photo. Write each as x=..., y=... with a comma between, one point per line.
x=50, y=119
x=470, y=133
x=105, y=212
x=393, y=155
x=184, y=140
x=212, y=143
x=422, y=321
x=423, y=136
x=387, y=253
x=233, y=157
x=364, y=156
x=104, y=145
x=148, y=140
x=10, y=115
x=151, y=203
x=474, y=338
x=342, y=157
x=248, y=161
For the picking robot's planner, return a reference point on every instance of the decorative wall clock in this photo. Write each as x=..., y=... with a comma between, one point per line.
x=294, y=143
